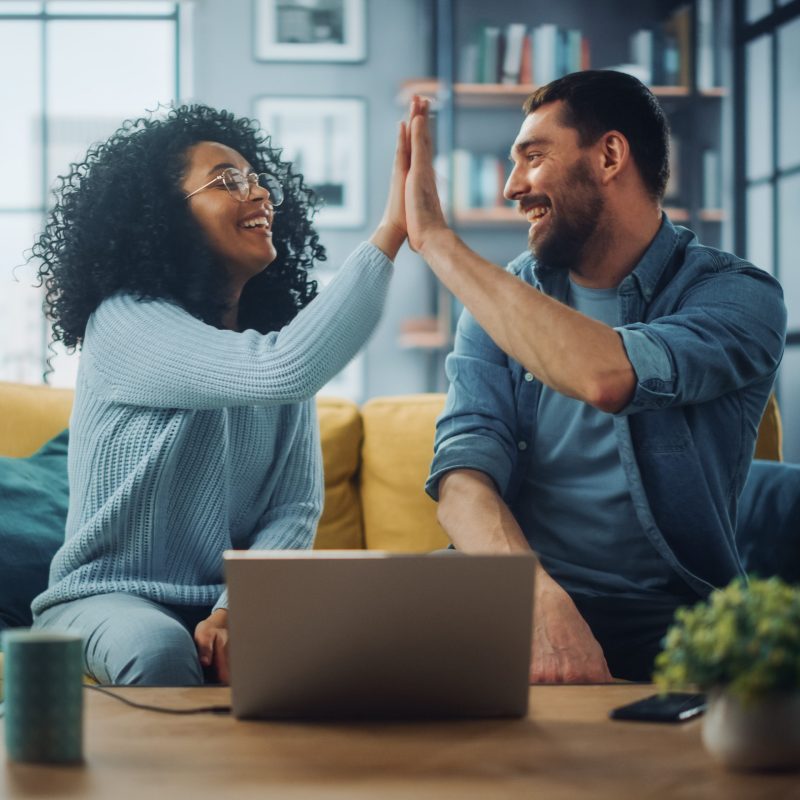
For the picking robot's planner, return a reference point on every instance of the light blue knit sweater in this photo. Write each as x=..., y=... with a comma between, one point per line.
x=187, y=440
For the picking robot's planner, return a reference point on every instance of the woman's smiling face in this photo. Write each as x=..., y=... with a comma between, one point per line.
x=240, y=233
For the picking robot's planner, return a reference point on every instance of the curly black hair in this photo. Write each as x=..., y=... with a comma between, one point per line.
x=121, y=224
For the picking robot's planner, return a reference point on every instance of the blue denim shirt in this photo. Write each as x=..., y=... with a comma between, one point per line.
x=704, y=332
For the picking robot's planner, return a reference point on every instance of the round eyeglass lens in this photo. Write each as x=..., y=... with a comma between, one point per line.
x=271, y=184
x=240, y=185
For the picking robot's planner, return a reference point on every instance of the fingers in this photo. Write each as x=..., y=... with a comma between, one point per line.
x=402, y=155
x=221, y=656
x=419, y=108
x=204, y=640
x=420, y=141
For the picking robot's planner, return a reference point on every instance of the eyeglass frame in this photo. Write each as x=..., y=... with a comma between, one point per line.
x=252, y=178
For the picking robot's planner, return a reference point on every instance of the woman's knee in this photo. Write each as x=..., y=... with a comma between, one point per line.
x=129, y=640
x=167, y=656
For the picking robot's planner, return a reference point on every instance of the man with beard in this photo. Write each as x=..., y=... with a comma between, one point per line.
x=605, y=389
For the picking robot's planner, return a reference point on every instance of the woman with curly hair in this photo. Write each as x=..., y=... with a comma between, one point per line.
x=177, y=260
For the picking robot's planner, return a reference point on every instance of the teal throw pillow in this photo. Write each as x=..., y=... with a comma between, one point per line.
x=34, y=493
x=768, y=527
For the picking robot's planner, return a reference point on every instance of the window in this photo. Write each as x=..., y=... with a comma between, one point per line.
x=79, y=69
x=767, y=57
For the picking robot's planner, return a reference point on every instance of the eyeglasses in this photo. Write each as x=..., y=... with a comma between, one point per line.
x=240, y=185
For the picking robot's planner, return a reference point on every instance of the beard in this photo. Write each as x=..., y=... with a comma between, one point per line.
x=581, y=204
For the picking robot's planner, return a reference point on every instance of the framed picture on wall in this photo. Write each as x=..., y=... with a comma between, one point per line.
x=324, y=138
x=310, y=30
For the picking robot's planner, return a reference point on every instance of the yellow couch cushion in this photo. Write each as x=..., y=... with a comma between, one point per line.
x=341, y=432
x=769, y=444
x=30, y=416
x=395, y=457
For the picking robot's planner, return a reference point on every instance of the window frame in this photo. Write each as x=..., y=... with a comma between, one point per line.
x=48, y=14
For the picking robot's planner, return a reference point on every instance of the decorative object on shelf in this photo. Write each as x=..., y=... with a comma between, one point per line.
x=742, y=645
x=310, y=30
x=324, y=138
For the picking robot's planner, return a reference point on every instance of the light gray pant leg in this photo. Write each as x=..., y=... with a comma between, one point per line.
x=128, y=640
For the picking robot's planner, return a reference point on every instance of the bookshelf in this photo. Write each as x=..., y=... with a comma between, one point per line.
x=476, y=117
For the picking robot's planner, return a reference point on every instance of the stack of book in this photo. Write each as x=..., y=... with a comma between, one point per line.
x=518, y=54
x=477, y=180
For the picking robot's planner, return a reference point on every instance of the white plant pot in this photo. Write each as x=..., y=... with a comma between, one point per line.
x=764, y=734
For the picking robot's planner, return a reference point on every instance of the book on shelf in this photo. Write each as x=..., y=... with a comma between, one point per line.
x=642, y=53
x=519, y=54
x=489, y=55
x=477, y=180
x=712, y=179
x=672, y=192
x=710, y=48
x=512, y=61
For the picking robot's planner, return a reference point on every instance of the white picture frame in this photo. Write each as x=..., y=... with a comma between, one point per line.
x=324, y=138
x=309, y=30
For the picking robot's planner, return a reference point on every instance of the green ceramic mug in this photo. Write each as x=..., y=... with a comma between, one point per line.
x=43, y=696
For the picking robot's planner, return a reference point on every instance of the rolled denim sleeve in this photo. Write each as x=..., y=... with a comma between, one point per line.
x=727, y=333
x=476, y=428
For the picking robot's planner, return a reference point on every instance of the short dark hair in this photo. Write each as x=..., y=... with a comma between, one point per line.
x=121, y=224
x=597, y=101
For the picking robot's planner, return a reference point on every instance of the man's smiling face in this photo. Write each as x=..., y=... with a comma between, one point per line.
x=554, y=187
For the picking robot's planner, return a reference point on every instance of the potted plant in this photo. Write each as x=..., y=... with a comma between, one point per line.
x=742, y=647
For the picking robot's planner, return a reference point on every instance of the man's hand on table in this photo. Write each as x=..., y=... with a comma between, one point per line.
x=211, y=638
x=564, y=649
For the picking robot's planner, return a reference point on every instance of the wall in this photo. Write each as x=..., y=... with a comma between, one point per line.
x=398, y=43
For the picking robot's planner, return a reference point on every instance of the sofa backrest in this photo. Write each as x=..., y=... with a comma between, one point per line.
x=375, y=458
x=395, y=458
x=30, y=416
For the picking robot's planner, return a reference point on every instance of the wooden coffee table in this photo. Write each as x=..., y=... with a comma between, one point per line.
x=566, y=748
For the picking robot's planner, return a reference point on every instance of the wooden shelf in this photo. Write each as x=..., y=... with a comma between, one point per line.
x=712, y=215
x=506, y=215
x=501, y=95
x=677, y=214
x=502, y=215
x=424, y=333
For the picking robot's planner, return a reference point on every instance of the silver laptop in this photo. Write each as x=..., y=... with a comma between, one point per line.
x=367, y=634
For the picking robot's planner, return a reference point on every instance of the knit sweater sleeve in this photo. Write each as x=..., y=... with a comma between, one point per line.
x=153, y=353
x=290, y=521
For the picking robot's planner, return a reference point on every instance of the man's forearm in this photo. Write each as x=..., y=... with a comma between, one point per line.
x=570, y=352
x=475, y=517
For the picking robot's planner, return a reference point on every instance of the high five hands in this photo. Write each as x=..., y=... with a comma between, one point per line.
x=412, y=209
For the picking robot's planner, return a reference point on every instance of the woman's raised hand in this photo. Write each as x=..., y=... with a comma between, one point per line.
x=424, y=213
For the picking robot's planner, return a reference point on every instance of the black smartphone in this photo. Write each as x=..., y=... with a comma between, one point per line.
x=671, y=707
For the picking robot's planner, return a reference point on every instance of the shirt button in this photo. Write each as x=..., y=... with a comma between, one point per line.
x=522, y=445
x=528, y=377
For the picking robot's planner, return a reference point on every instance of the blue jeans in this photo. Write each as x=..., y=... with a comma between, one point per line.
x=131, y=640
x=630, y=631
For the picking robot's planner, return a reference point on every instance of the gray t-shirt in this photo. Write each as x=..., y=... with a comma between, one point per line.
x=574, y=506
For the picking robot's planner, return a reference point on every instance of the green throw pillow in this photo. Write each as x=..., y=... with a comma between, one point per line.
x=34, y=493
